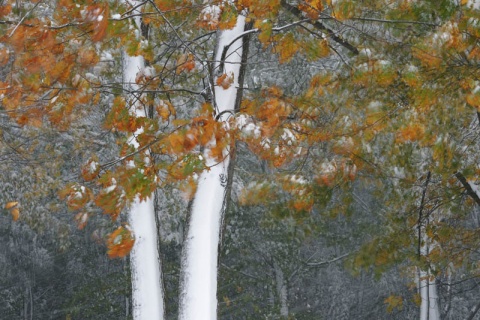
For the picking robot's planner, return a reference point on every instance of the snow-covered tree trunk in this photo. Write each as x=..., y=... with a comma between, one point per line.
x=198, y=292
x=147, y=293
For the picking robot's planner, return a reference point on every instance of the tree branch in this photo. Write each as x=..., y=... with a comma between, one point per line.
x=474, y=312
x=420, y=215
x=318, y=25
x=467, y=187
x=241, y=272
x=322, y=263
x=397, y=21
x=23, y=18
x=247, y=33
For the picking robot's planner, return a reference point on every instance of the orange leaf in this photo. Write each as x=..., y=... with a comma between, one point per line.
x=185, y=62
x=412, y=132
x=312, y=9
x=98, y=17
x=5, y=9
x=91, y=169
x=77, y=196
x=120, y=242
x=163, y=110
x=176, y=141
x=4, y=56
x=87, y=57
x=225, y=81
x=11, y=204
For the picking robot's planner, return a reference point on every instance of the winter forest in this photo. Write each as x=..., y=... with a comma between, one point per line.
x=239, y=159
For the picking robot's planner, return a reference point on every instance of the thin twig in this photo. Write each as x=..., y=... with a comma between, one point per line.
x=322, y=263
x=430, y=24
x=23, y=18
x=244, y=273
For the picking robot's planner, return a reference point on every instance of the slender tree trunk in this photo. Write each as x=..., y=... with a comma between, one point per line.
x=198, y=293
x=448, y=302
x=282, y=292
x=25, y=304
x=147, y=294
x=429, y=308
x=31, y=302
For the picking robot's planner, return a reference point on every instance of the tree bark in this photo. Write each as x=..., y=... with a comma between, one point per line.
x=282, y=290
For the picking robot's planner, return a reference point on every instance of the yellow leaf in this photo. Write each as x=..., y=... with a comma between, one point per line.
x=417, y=299
x=227, y=301
x=393, y=302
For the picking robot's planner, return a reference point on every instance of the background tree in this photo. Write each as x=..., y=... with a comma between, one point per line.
x=394, y=108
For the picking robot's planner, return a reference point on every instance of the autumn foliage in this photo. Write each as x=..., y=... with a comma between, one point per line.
x=376, y=113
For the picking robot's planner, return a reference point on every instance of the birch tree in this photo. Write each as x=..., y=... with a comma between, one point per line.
x=147, y=286
x=199, y=279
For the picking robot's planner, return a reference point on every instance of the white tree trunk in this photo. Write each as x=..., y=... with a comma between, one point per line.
x=147, y=289
x=198, y=291
x=429, y=309
x=147, y=294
